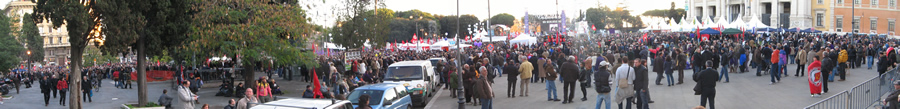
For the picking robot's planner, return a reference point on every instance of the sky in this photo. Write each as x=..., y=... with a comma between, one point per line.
x=320, y=11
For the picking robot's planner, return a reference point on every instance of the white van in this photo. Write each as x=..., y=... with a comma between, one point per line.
x=418, y=76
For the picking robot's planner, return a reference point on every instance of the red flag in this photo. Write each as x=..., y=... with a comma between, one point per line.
x=317, y=86
x=814, y=78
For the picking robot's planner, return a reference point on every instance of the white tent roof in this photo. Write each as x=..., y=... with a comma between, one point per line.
x=737, y=24
x=722, y=21
x=495, y=39
x=755, y=23
x=329, y=45
x=708, y=23
x=524, y=39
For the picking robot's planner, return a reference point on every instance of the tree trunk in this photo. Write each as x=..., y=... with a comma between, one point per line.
x=75, y=77
x=142, y=73
x=248, y=73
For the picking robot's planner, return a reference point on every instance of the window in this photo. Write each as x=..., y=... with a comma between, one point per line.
x=51, y=40
x=839, y=22
x=873, y=24
x=855, y=23
x=856, y=2
x=874, y=3
x=840, y=1
x=892, y=3
x=890, y=25
x=59, y=39
x=390, y=95
x=821, y=1
x=819, y=19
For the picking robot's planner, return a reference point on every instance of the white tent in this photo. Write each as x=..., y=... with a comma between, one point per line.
x=755, y=23
x=722, y=22
x=493, y=39
x=708, y=23
x=329, y=45
x=524, y=39
x=737, y=24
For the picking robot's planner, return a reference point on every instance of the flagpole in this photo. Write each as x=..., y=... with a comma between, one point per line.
x=459, y=90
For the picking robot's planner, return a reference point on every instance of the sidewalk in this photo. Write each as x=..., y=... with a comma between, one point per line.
x=745, y=91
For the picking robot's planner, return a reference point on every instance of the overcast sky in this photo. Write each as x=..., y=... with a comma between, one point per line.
x=321, y=13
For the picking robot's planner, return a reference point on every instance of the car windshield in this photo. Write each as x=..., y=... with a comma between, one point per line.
x=435, y=62
x=374, y=96
x=404, y=73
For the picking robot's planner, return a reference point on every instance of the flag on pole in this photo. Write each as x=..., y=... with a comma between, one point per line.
x=317, y=93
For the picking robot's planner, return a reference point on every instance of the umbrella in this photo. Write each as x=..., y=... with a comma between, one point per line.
x=710, y=31
x=731, y=31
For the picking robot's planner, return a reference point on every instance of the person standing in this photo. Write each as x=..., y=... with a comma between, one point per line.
x=774, y=71
x=248, y=101
x=815, y=86
x=584, y=76
x=264, y=92
x=512, y=75
x=45, y=89
x=63, y=86
x=570, y=76
x=541, y=70
x=551, y=80
x=625, y=82
x=842, y=64
x=185, y=97
x=680, y=64
x=641, y=84
x=602, y=83
x=86, y=90
x=827, y=67
x=165, y=100
x=53, y=84
x=524, y=74
x=658, y=67
x=726, y=58
x=706, y=81
x=483, y=90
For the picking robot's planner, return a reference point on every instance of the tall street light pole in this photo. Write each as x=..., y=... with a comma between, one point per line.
x=458, y=56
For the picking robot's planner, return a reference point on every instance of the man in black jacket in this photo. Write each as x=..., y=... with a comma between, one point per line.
x=602, y=83
x=45, y=89
x=570, y=75
x=827, y=67
x=86, y=89
x=892, y=98
x=513, y=73
x=706, y=81
x=641, y=83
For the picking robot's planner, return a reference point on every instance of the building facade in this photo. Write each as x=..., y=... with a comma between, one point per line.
x=866, y=16
x=822, y=14
x=56, y=41
x=774, y=13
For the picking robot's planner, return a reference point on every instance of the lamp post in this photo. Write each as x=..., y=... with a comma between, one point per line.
x=458, y=57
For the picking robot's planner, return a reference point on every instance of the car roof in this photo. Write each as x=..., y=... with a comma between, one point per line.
x=435, y=58
x=412, y=63
x=299, y=103
x=379, y=86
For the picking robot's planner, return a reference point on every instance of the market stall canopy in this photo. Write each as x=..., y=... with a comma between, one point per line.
x=737, y=24
x=524, y=39
x=494, y=39
x=710, y=31
x=722, y=22
x=708, y=23
x=731, y=31
x=333, y=46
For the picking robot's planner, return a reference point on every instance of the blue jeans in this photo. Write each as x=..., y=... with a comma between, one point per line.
x=775, y=72
x=499, y=70
x=791, y=59
x=643, y=97
x=784, y=69
x=833, y=71
x=669, y=78
x=869, y=60
x=724, y=73
x=551, y=89
x=486, y=103
x=604, y=98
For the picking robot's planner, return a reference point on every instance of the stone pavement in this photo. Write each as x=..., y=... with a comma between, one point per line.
x=110, y=97
x=745, y=91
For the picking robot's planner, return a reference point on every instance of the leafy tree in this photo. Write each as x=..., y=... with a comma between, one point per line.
x=10, y=48
x=251, y=31
x=82, y=24
x=32, y=38
x=671, y=13
x=415, y=13
x=365, y=26
x=151, y=26
x=604, y=18
x=503, y=18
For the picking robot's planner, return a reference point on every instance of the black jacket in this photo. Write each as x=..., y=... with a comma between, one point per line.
x=827, y=64
x=569, y=72
x=601, y=78
x=512, y=72
x=892, y=100
x=45, y=86
x=641, y=80
x=86, y=84
x=707, y=80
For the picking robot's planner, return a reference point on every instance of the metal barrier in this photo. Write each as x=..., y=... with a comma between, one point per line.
x=861, y=96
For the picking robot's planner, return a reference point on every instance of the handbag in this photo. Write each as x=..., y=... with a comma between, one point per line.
x=623, y=82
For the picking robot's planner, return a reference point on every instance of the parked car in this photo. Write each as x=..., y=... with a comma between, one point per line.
x=305, y=103
x=383, y=96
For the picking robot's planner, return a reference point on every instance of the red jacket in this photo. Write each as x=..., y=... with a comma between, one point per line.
x=62, y=85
